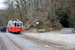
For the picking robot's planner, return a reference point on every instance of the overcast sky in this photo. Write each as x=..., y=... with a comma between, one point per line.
x=2, y=6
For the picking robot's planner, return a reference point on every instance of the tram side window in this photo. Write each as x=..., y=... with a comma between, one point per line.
x=9, y=24
x=20, y=24
x=13, y=24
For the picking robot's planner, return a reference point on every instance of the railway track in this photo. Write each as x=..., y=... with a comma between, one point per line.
x=56, y=46
x=14, y=42
x=2, y=44
x=24, y=44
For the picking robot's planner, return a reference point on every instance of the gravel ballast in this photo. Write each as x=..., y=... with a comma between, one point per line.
x=1, y=47
x=26, y=44
x=8, y=44
x=55, y=36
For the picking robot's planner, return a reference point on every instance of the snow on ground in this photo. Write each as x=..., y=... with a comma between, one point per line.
x=65, y=36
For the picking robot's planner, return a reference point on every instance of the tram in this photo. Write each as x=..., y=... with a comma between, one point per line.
x=15, y=26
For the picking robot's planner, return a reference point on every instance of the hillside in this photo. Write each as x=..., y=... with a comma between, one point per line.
x=51, y=14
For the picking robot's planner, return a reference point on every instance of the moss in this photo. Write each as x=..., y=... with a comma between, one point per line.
x=59, y=27
x=47, y=29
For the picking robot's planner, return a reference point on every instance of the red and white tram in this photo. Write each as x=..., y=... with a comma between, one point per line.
x=15, y=26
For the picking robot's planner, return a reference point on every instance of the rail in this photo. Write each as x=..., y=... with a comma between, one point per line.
x=36, y=41
x=55, y=46
x=3, y=46
x=14, y=42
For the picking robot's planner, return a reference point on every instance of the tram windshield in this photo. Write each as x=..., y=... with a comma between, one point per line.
x=20, y=24
x=17, y=24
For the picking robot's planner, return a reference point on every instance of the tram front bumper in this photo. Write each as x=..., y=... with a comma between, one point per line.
x=18, y=32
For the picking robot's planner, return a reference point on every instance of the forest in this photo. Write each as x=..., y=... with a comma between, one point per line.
x=49, y=13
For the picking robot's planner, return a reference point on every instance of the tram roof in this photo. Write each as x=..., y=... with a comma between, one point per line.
x=14, y=21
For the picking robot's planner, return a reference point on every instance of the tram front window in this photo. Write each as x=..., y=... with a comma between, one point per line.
x=18, y=24
x=15, y=25
x=21, y=24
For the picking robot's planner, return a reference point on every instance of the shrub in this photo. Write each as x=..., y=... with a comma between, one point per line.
x=71, y=19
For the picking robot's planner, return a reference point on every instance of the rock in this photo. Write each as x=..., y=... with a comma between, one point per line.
x=73, y=31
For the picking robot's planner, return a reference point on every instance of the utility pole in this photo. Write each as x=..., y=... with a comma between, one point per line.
x=37, y=25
